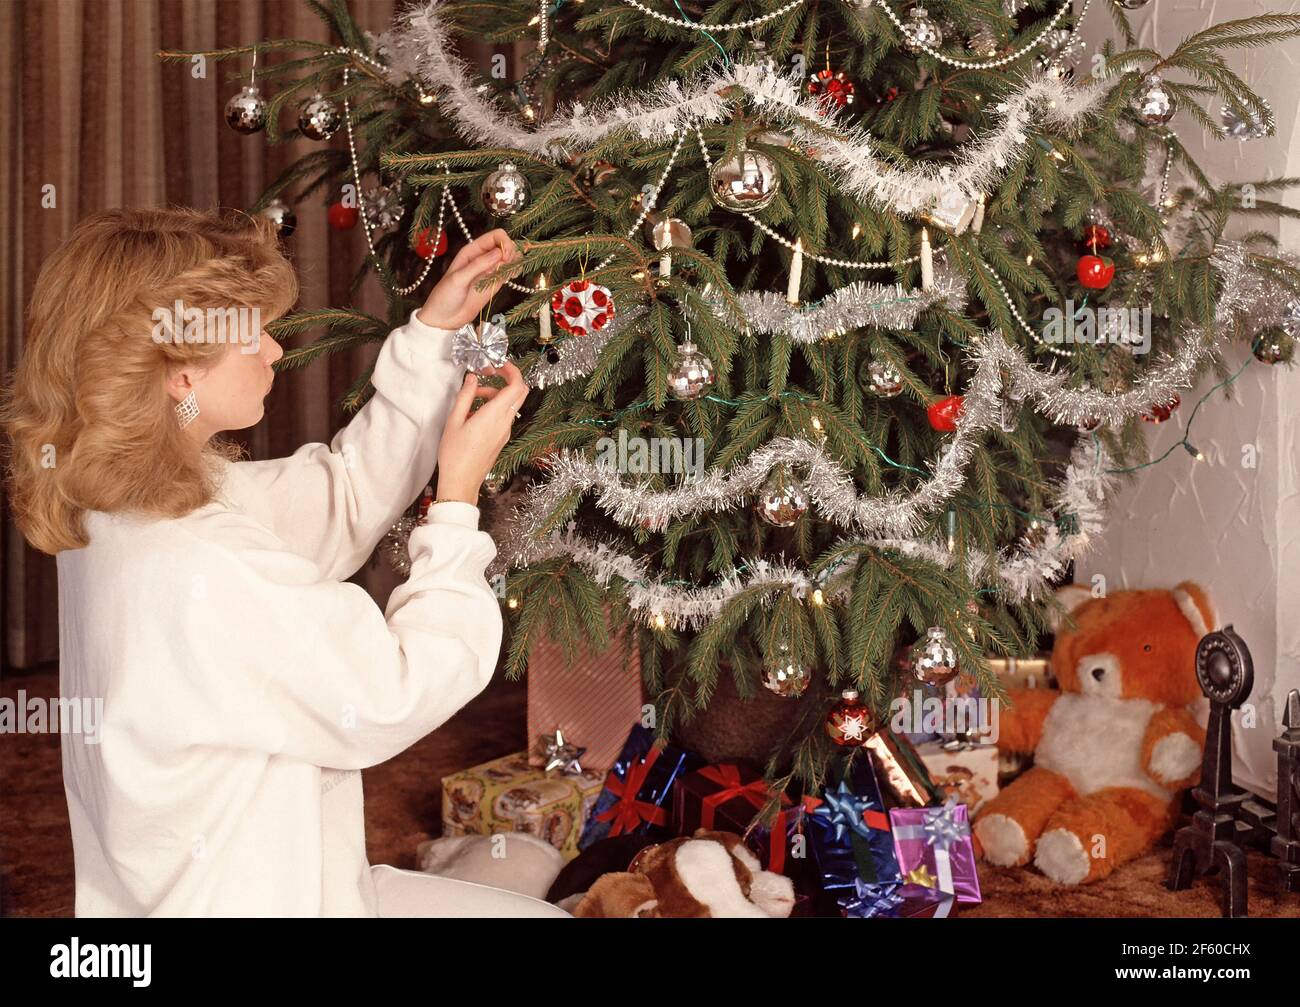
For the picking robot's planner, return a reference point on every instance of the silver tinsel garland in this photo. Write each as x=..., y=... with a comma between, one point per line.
x=1022, y=572
x=854, y=306
x=1000, y=372
x=1041, y=101
x=1248, y=296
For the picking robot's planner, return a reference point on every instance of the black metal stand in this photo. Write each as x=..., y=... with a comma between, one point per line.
x=1286, y=844
x=1214, y=840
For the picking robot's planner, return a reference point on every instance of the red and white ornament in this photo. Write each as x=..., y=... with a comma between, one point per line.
x=581, y=307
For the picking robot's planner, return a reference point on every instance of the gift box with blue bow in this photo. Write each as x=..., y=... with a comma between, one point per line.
x=849, y=833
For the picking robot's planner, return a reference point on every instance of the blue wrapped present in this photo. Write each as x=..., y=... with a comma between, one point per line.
x=849, y=833
x=637, y=792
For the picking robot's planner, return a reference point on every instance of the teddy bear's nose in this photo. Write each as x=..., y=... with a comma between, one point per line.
x=1099, y=673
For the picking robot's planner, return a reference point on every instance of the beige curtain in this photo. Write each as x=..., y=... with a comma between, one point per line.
x=86, y=107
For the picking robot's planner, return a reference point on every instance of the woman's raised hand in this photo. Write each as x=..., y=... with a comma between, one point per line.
x=456, y=298
x=472, y=440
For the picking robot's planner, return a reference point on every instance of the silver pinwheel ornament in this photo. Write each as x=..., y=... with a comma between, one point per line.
x=480, y=347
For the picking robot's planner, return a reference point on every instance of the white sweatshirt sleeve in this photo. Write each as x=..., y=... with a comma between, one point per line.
x=280, y=661
x=333, y=502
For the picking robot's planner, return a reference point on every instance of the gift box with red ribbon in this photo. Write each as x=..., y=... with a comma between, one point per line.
x=638, y=790
x=728, y=797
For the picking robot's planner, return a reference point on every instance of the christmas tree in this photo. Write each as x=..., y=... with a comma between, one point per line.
x=841, y=317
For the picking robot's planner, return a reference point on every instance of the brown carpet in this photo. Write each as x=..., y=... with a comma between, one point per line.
x=403, y=807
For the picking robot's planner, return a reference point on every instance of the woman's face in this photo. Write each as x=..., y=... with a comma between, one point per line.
x=231, y=393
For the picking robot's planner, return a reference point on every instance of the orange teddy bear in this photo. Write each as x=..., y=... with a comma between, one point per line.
x=1113, y=747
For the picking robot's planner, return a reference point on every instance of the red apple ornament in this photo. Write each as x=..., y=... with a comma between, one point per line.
x=342, y=218
x=424, y=244
x=944, y=413
x=1096, y=272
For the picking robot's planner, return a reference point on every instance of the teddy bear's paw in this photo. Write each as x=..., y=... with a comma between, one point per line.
x=1174, y=757
x=1003, y=840
x=1061, y=856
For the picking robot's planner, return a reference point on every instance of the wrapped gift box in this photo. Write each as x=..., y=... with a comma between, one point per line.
x=509, y=795
x=1023, y=672
x=1020, y=673
x=848, y=831
x=934, y=848
x=969, y=772
x=728, y=797
x=590, y=700
x=638, y=789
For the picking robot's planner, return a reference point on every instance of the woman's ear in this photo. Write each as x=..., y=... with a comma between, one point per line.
x=180, y=382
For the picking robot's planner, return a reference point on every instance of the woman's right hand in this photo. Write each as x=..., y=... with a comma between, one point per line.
x=472, y=440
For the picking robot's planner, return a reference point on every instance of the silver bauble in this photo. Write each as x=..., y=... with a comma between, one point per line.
x=883, y=379
x=505, y=191
x=1248, y=127
x=279, y=213
x=934, y=659
x=493, y=483
x=756, y=55
x=319, y=119
x=984, y=43
x=921, y=31
x=246, y=111
x=1273, y=346
x=784, y=677
x=744, y=183
x=782, y=501
x=1291, y=317
x=692, y=374
x=1153, y=102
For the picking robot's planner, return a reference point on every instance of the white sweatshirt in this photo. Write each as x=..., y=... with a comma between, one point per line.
x=245, y=685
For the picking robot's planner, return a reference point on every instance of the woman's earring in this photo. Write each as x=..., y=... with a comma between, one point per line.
x=187, y=410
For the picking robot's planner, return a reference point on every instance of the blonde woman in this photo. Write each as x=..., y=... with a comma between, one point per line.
x=245, y=684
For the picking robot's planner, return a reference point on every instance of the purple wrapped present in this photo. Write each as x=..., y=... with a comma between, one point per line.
x=934, y=849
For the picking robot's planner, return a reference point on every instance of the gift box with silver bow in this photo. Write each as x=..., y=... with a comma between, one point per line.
x=934, y=848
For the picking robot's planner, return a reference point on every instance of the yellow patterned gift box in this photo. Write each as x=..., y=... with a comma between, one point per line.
x=509, y=795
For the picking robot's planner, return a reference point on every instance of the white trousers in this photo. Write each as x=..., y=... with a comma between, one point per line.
x=413, y=894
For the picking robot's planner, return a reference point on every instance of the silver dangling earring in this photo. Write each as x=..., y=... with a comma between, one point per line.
x=187, y=410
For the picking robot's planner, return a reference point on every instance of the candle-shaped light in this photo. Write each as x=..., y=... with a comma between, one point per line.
x=665, y=264
x=796, y=272
x=978, y=223
x=927, y=261
x=544, y=314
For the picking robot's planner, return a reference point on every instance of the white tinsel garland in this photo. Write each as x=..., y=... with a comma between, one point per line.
x=1022, y=572
x=1041, y=101
x=854, y=306
x=831, y=488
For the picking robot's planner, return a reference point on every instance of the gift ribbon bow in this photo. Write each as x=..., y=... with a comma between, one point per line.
x=727, y=777
x=847, y=811
x=627, y=813
x=939, y=831
x=870, y=899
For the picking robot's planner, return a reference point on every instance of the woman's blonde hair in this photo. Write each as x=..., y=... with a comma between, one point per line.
x=90, y=423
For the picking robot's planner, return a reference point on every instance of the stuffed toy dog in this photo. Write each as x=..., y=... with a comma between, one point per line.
x=1113, y=748
x=708, y=875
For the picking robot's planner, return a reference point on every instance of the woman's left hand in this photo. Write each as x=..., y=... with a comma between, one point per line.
x=456, y=298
